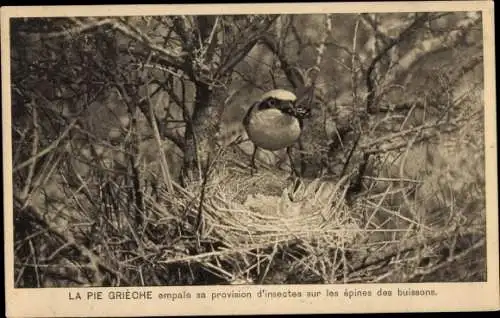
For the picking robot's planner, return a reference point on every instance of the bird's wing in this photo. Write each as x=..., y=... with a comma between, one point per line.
x=246, y=119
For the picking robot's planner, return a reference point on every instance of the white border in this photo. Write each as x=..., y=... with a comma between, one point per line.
x=451, y=297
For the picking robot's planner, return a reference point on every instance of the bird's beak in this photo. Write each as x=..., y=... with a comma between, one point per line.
x=288, y=108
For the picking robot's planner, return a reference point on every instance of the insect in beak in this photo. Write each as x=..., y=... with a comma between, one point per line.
x=288, y=108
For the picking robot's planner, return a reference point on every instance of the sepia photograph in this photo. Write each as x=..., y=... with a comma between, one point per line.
x=265, y=149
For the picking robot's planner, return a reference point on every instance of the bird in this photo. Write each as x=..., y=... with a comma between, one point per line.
x=275, y=122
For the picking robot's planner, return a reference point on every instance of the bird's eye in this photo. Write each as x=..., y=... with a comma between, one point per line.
x=271, y=102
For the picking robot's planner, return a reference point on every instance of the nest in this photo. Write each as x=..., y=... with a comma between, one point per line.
x=268, y=228
x=266, y=211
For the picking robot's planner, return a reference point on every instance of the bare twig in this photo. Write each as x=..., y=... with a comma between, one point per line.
x=163, y=161
x=69, y=241
x=175, y=59
x=49, y=149
x=34, y=149
x=400, y=134
x=354, y=73
x=403, y=35
x=449, y=261
x=250, y=38
x=70, y=32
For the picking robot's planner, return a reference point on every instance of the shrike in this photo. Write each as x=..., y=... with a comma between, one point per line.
x=275, y=122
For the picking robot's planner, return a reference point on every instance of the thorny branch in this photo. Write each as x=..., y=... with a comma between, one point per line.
x=70, y=242
x=204, y=51
x=413, y=27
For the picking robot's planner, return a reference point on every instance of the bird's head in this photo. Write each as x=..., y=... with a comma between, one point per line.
x=279, y=94
x=283, y=100
x=277, y=98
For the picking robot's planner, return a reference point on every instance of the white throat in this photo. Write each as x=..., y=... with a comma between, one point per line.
x=271, y=129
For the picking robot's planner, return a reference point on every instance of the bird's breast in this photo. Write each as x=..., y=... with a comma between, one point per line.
x=273, y=130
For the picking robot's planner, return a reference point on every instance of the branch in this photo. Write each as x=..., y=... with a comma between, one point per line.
x=207, y=27
x=354, y=74
x=68, y=33
x=252, y=36
x=400, y=134
x=47, y=150
x=175, y=59
x=28, y=184
x=369, y=80
x=289, y=70
x=449, y=261
x=432, y=44
x=368, y=21
x=144, y=107
x=164, y=165
x=320, y=50
x=422, y=49
x=69, y=241
x=395, y=146
x=409, y=245
x=180, y=23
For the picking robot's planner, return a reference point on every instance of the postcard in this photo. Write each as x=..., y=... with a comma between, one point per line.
x=249, y=159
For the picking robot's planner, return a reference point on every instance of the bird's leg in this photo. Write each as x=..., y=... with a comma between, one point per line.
x=294, y=177
x=289, y=153
x=252, y=164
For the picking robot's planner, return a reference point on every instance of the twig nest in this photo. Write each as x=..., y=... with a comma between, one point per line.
x=287, y=207
x=262, y=210
x=273, y=205
x=260, y=202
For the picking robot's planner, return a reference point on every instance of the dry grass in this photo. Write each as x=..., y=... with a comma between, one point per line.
x=420, y=217
x=115, y=216
x=263, y=229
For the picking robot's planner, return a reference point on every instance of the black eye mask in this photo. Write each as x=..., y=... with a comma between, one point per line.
x=287, y=107
x=269, y=103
